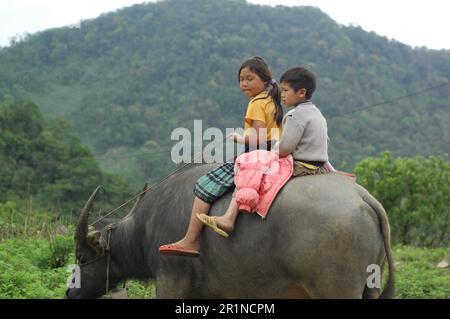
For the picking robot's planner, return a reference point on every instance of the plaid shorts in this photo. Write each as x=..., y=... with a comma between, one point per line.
x=215, y=183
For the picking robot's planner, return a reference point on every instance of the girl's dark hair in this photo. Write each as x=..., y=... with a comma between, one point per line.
x=300, y=78
x=260, y=67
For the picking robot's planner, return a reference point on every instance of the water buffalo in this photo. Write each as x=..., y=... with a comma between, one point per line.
x=321, y=234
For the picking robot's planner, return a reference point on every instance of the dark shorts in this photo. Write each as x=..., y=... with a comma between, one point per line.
x=302, y=169
x=215, y=183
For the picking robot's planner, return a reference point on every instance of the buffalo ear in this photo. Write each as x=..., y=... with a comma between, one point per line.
x=95, y=241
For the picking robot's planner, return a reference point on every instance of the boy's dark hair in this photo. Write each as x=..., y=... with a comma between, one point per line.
x=259, y=66
x=300, y=78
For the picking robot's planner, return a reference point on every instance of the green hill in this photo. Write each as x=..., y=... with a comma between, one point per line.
x=126, y=79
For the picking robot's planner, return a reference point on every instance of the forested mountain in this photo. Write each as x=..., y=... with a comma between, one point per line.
x=126, y=79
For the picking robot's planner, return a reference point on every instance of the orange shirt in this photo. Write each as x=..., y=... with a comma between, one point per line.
x=262, y=108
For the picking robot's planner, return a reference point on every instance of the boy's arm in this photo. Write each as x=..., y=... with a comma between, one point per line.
x=327, y=165
x=292, y=134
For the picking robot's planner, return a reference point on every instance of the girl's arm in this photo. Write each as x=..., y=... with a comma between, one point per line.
x=256, y=135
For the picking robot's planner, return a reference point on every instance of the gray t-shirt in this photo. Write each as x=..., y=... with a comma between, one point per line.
x=305, y=134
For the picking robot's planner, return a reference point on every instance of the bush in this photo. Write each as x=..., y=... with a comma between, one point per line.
x=61, y=247
x=22, y=274
x=415, y=193
x=59, y=250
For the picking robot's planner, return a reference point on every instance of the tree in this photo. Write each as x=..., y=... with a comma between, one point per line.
x=47, y=161
x=415, y=193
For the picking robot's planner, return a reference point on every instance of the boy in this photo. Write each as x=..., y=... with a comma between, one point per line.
x=304, y=127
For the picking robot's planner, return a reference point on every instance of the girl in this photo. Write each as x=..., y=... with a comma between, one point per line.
x=262, y=125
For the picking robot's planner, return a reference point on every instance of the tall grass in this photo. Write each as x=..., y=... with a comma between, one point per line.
x=21, y=220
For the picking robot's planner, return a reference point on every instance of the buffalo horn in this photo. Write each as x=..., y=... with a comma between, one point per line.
x=82, y=227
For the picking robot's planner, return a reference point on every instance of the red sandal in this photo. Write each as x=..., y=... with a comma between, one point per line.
x=177, y=250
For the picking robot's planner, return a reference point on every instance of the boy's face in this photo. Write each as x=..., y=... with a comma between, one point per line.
x=290, y=97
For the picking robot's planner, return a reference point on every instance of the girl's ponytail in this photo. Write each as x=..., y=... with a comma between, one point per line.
x=275, y=93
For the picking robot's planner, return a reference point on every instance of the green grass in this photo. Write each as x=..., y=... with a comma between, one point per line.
x=25, y=272
x=417, y=274
x=139, y=290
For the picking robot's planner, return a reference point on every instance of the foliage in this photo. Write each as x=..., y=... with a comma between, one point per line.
x=60, y=247
x=415, y=193
x=19, y=220
x=24, y=273
x=141, y=290
x=417, y=275
x=46, y=161
x=35, y=255
x=126, y=79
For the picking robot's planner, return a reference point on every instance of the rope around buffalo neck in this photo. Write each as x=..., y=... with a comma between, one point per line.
x=108, y=261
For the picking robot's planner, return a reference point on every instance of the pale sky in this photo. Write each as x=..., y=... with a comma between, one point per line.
x=413, y=22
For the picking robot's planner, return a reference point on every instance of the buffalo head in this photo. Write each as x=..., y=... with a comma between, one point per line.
x=91, y=254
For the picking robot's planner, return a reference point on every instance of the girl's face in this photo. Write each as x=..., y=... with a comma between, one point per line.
x=290, y=97
x=250, y=83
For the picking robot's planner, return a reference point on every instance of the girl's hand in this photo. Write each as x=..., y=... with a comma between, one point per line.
x=235, y=137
